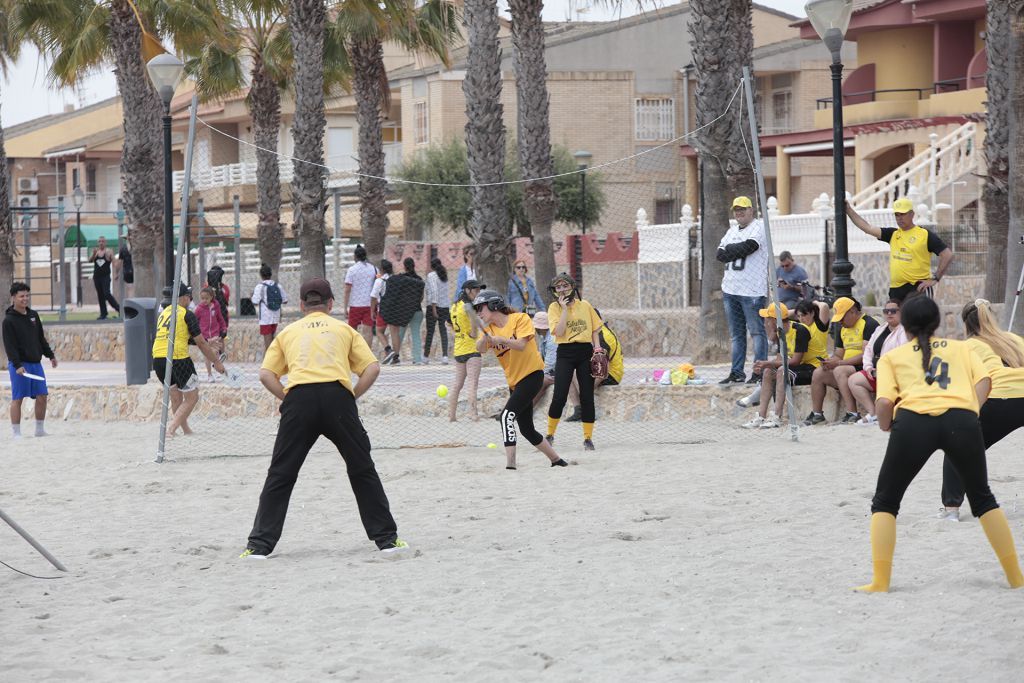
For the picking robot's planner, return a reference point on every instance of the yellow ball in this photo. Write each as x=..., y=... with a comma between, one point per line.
x=442, y=390
x=492, y=445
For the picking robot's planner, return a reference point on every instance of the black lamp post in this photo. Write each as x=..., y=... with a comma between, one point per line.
x=830, y=19
x=582, y=163
x=78, y=197
x=165, y=71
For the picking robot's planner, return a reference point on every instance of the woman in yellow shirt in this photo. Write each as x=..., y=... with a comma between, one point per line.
x=577, y=329
x=939, y=385
x=467, y=358
x=1002, y=354
x=510, y=336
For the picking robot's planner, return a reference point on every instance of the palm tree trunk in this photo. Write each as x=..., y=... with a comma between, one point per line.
x=142, y=155
x=1015, y=245
x=722, y=46
x=534, y=132
x=6, y=224
x=306, y=20
x=265, y=106
x=995, y=193
x=368, y=84
x=485, y=143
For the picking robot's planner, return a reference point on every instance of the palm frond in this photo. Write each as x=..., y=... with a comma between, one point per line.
x=217, y=73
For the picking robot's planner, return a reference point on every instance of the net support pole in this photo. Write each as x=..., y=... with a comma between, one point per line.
x=33, y=542
x=237, y=243
x=176, y=286
x=755, y=142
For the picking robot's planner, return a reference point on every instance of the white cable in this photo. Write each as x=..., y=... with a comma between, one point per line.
x=504, y=182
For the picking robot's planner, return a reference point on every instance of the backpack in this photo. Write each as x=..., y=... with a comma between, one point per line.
x=272, y=296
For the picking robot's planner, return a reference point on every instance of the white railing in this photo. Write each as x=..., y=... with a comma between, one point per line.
x=945, y=161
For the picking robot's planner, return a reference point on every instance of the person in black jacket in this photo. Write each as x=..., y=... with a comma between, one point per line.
x=401, y=308
x=25, y=345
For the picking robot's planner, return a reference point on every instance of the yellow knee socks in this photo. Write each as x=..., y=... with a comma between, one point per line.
x=552, y=425
x=588, y=430
x=1001, y=539
x=883, y=546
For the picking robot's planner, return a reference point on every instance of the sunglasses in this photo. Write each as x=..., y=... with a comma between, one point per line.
x=520, y=267
x=890, y=311
x=479, y=307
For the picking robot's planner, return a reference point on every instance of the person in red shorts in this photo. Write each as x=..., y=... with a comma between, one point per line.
x=359, y=281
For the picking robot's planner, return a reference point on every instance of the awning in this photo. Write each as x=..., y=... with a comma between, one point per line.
x=91, y=234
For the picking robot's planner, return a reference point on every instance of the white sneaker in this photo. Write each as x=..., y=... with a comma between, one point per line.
x=949, y=514
x=444, y=360
x=753, y=423
x=771, y=422
x=754, y=399
x=867, y=421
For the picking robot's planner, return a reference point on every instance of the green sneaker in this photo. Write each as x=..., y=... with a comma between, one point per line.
x=396, y=547
x=250, y=554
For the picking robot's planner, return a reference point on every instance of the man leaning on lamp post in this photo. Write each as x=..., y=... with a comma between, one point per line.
x=910, y=250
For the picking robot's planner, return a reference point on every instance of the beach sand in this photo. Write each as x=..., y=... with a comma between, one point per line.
x=719, y=561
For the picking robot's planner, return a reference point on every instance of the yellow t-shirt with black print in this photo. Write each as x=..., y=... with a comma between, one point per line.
x=954, y=366
x=186, y=327
x=580, y=323
x=1006, y=382
x=852, y=339
x=818, y=346
x=910, y=251
x=517, y=364
x=464, y=341
x=316, y=349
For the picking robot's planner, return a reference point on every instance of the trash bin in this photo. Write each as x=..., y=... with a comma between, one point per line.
x=139, y=331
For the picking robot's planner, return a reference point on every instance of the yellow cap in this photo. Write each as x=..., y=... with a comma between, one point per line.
x=769, y=312
x=841, y=307
x=742, y=202
x=902, y=205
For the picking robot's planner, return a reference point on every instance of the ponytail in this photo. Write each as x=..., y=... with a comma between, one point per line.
x=924, y=340
x=980, y=323
x=920, y=317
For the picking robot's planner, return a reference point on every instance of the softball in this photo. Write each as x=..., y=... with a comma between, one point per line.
x=442, y=390
x=492, y=445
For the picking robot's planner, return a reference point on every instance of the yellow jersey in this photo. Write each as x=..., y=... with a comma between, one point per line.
x=464, y=341
x=1006, y=382
x=186, y=327
x=818, y=346
x=954, y=366
x=852, y=339
x=318, y=348
x=611, y=345
x=910, y=251
x=580, y=323
x=517, y=364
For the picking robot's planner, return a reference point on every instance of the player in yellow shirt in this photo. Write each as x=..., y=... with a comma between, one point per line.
x=1002, y=354
x=939, y=385
x=467, y=358
x=835, y=371
x=577, y=329
x=320, y=354
x=910, y=251
x=510, y=336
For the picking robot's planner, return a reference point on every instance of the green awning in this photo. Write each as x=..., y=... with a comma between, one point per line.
x=91, y=234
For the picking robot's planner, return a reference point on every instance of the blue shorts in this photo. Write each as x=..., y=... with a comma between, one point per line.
x=23, y=387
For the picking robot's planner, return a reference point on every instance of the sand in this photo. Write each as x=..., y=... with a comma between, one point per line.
x=723, y=561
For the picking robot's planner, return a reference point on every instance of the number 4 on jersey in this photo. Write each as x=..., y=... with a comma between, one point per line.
x=939, y=372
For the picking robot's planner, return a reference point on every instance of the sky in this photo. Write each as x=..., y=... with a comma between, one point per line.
x=27, y=93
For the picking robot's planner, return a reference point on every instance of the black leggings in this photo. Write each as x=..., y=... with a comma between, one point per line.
x=999, y=417
x=442, y=315
x=572, y=358
x=519, y=408
x=913, y=439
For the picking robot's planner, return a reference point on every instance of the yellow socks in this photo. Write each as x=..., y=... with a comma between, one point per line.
x=588, y=430
x=1001, y=539
x=552, y=425
x=883, y=546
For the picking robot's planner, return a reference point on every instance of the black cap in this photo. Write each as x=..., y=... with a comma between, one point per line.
x=473, y=284
x=184, y=290
x=316, y=291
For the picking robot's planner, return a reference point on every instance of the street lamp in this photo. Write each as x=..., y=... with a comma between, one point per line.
x=78, y=197
x=582, y=162
x=165, y=71
x=830, y=19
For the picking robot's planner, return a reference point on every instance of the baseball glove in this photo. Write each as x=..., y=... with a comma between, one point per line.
x=599, y=365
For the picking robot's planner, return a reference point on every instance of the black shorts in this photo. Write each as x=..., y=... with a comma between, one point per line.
x=801, y=374
x=183, y=373
x=464, y=358
x=903, y=291
x=609, y=382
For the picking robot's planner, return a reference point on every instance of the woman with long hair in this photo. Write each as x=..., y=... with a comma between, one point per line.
x=885, y=338
x=940, y=385
x=1002, y=353
x=522, y=292
x=403, y=299
x=510, y=336
x=467, y=358
x=381, y=327
x=438, y=303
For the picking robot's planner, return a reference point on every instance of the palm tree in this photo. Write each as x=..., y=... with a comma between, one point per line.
x=365, y=25
x=1015, y=248
x=485, y=142
x=83, y=35
x=9, y=48
x=307, y=23
x=722, y=43
x=995, y=191
x=534, y=130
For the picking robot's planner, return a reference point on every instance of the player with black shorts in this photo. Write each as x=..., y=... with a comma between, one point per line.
x=939, y=386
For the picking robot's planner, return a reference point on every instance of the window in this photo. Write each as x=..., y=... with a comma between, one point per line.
x=421, y=123
x=782, y=107
x=655, y=118
x=340, y=149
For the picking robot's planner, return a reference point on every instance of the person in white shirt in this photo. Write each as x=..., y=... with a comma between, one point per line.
x=268, y=297
x=359, y=281
x=744, y=286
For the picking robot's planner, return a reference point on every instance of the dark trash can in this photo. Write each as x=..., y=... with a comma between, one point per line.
x=139, y=332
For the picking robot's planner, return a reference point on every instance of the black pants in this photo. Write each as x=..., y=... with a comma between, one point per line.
x=573, y=358
x=519, y=408
x=999, y=417
x=914, y=438
x=442, y=315
x=309, y=411
x=103, y=295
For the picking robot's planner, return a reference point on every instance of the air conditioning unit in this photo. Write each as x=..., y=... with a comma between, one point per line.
x=26, y=201
x=24, y=212
x=28, y=185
